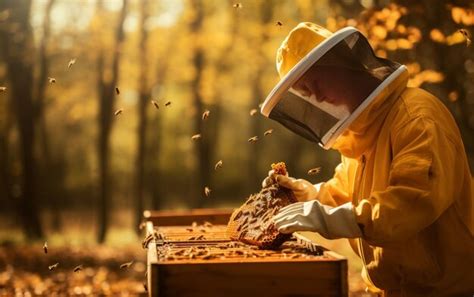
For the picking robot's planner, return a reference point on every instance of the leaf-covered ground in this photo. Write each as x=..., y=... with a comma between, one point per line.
x=24, y=271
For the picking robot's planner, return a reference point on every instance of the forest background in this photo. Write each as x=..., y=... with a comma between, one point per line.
x=100, y=100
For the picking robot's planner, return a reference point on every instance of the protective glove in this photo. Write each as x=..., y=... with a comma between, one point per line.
x=330, y=222
x=302, y=189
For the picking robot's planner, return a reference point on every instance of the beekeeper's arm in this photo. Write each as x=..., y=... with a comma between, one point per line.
x=421, y=186
x=333, y=192
x=324, y=208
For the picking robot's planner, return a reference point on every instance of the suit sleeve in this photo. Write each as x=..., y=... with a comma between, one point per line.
x=335, y=192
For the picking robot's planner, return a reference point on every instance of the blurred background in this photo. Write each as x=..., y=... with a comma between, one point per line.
x=101, y=103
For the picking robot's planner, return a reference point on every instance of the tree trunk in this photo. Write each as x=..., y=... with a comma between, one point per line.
x=6, y=180
x=254, y=175
x=106, y=105
x=201, y=145
x=17, y=46
x=47, y=162
x=144, y=94
x=154, y=130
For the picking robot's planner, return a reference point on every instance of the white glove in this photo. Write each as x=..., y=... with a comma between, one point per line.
x=302, y=189
x=330, y=222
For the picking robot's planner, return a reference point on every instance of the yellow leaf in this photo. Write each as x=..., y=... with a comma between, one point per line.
x=437, y=36
x=456, y=14
x=379, y=32
x=429, y=76
x=414, y=34
x=404, y=43
x=391, y=45
x=455, y=38
x=413, y=68
x=468, y=18
x=381, y=53
x=462, y=16
x=401, y=29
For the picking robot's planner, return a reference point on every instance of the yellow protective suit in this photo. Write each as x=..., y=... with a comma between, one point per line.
x=405, y=170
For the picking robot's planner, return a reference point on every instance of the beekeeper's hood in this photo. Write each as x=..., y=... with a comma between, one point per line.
x=327, y=80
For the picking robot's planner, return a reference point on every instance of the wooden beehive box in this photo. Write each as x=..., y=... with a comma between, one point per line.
x=189, y=254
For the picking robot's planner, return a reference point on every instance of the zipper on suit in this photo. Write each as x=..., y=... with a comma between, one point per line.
x=356, y=198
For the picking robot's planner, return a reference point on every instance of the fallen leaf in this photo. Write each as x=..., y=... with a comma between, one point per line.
x=51, y=267
x=196, y=136
x=51, y=80
x=207, y=191
x=118, y=111
x=71, y=62
x=268, y=132
x=253, y=112
x=126, y=265
x=218, y=165
x=253, y=139
x=205, y=114
x=78, y=268
x=314, y=171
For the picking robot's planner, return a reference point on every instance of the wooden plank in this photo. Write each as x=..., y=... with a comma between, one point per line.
x=187, y=217
x=251, y=279
x=152, y=258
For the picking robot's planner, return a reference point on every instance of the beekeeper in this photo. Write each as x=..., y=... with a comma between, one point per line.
x=402, y=193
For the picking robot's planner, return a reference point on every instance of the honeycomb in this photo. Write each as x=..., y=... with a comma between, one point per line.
x=251, y=223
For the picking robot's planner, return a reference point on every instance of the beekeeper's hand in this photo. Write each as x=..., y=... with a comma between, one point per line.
x=302, y=189
x=330, y=222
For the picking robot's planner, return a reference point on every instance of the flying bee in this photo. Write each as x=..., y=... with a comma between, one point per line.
x=71, y=62
x=168, y=103
x=205, y=114
x=218, y=165
x=118, y=111
x=45, y=247
x=155, y=104
x=78, y=268
x=51, y=80
x=314, y=171
x=253, y=139
x=51, y=267
x=279, y=23
x=268, y=132
x=3, y=89
x=237, y=5
x=117, y=91
x=253, y=112
x=126, y=265
x=196, y=136
x=207, y=191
